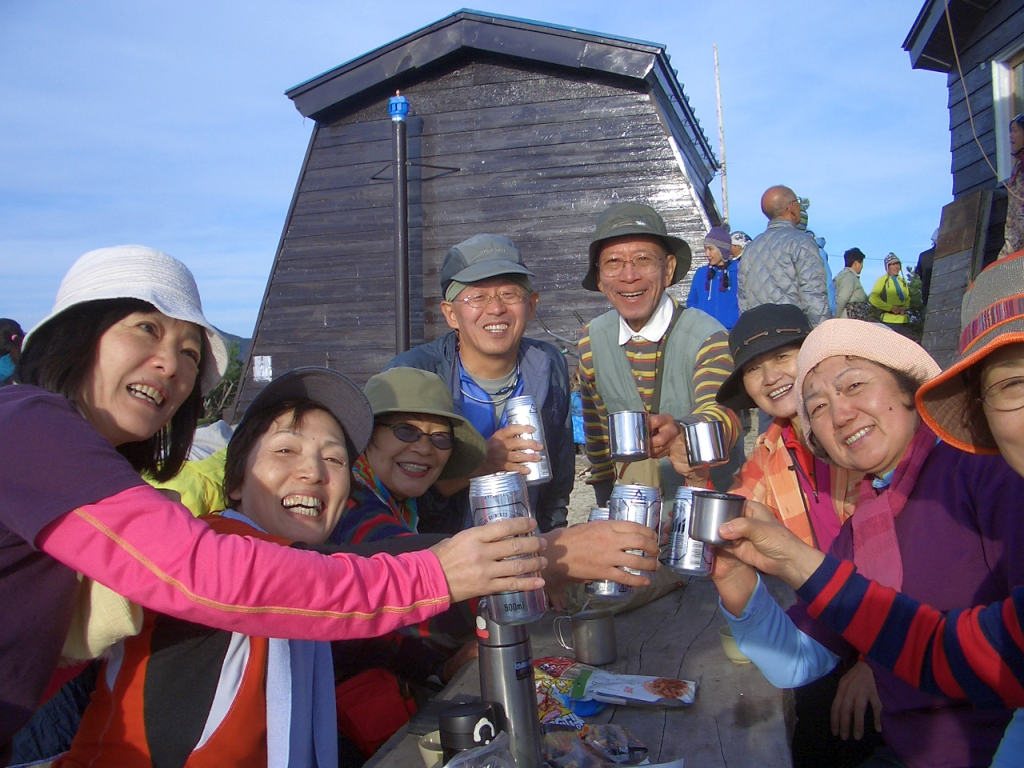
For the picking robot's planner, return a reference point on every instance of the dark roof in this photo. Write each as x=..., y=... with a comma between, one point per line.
x=928, y=42
x=518, y=38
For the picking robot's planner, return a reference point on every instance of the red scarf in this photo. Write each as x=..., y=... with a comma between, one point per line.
x=876, y=550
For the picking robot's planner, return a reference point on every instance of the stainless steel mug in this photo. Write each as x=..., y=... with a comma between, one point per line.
x=683, y=554
x=705, y=443
x=604, y=589
x=593, y=636
x=502, y=496
x=523, y=410
x=629, y=436
x=710, y=510
x=638, y=504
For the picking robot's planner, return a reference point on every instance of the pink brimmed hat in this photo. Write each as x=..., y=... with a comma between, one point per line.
x=869, y=341
x=991, y=316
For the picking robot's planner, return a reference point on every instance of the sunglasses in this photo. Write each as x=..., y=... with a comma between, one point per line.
x=407, y=433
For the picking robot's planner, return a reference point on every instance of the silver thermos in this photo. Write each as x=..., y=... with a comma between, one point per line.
x=507, y=681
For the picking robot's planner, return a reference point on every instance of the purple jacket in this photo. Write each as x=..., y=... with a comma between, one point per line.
x=961, y=536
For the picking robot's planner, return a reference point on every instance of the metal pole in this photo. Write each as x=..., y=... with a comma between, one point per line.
x=398, y=108
x=721, y=139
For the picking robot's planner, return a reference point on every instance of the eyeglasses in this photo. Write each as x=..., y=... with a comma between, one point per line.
x=482, y=300
x=643, y=264
x=1005, y=395
x=407, y=433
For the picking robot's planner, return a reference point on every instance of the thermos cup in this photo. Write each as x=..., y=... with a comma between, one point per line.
x=629, y=436
x=705, y=443
x=710, y=510
x=592, y=636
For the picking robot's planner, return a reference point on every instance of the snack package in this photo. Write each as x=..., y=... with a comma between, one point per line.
x=595, y=746
x=590, y=683
x=554, y=702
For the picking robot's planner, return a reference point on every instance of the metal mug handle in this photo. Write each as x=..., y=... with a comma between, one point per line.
x=558, y=632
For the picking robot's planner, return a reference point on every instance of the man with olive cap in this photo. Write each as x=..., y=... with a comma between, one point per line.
x=649, y=352
x=488, y=300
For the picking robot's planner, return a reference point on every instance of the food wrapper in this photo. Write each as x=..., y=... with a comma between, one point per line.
x=554, y=701
x=590, y=683
x=593, y=747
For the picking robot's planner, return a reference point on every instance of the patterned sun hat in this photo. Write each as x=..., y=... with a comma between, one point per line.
x=991, y=316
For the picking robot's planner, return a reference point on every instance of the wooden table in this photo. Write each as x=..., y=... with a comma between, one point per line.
x=738, y=718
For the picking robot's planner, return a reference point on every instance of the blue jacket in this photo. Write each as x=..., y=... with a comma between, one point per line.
x=721, y=305
x=546, y=378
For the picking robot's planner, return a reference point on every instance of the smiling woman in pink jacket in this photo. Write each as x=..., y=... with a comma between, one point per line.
x=111, y=385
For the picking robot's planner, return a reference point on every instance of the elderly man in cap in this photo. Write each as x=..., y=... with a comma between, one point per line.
x=783, y=265
x=486, y=360
x=647, y=353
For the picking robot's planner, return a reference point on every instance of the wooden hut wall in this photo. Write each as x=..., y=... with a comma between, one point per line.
x=539, y=154
x=1001, y=29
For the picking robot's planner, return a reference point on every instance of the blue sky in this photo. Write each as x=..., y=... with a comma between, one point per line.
x=166, y=124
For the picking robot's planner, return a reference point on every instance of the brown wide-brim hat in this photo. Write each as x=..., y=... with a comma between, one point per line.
x=410, y=390
x=991, y=316
x=635, y=219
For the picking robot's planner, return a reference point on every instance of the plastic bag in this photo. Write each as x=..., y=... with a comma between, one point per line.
x=497, y=754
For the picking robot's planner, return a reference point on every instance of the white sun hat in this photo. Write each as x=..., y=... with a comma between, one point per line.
x=137, y=272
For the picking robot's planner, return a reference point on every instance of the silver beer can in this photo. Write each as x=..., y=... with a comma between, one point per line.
x=503, y=496
x=638, y=504
x=683, y=554
x=523, y=410
x=605, y=590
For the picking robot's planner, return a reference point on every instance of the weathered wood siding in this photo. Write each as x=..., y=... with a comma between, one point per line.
x=539, y=154
x=1001, y=28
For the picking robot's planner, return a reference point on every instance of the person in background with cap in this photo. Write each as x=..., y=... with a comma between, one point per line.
x=110, y=385
x=891, y=294
x=715, y=286
x=740, y=240
x=647, y=353
x=783, y=264
x=487, y=359
x=809, y=496
x=10, y=348
x=1013, y=230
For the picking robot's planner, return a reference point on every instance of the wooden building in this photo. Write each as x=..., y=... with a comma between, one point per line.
x=516, y=128
x=987, y=47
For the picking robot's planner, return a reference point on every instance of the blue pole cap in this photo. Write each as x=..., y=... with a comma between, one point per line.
x=398, y=107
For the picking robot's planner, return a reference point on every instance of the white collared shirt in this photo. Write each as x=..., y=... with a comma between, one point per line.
x=655, y=327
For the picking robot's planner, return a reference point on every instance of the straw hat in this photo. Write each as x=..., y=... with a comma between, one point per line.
x=869, y=341
x=137, y=272
x=991, y=316
x=410, y=390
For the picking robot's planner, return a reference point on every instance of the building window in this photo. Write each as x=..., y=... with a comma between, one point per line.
x=1007, y=102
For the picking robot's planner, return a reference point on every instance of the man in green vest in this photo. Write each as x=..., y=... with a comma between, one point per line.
x=648, y=352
